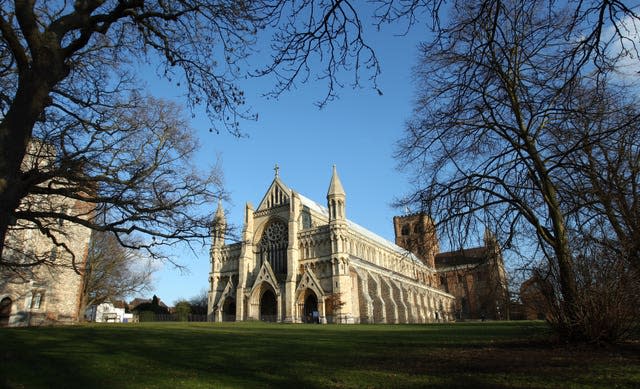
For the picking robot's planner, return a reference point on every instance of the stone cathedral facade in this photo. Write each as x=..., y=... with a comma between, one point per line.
x=299, y=261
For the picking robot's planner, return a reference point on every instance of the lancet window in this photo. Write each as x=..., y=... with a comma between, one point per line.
x=273, y=246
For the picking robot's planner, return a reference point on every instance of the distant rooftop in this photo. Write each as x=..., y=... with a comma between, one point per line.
x=471, y=256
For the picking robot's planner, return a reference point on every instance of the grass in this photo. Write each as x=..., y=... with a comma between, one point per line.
x=259, y=355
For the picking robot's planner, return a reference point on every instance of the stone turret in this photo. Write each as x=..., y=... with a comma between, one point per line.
x=218, y=230
x=336, y=198
x=341, y=282
x=219, y=226
x=246, y=260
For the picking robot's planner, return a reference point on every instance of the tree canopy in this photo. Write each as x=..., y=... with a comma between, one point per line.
x=69, y=80
x=506, y=124
x=112, y=272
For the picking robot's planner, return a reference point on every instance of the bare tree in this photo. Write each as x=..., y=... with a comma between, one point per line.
x=598, y=33
x=112, y=272
x=601, y=196
x=608, y=288
x=69, y=79
x=132, y=171
x=605, y=169
x=484, y=142
x=199, y=302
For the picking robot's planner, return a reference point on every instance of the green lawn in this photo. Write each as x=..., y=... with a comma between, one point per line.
x=249, y=355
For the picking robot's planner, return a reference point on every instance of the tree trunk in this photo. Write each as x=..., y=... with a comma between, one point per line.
x=566, y=278
x=15, y=133
x=16, y=128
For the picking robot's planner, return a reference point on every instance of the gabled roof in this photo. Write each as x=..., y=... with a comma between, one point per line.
x=267, y=275
x=277, y=194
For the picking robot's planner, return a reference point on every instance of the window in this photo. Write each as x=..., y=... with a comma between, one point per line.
x=273, y=246
x=306, y=220
x=460, y=279
x=37, y=300
x=405, y=229
x=443, y=283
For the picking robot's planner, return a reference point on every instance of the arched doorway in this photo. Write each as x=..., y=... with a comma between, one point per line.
x=268, y=306
x=311, y=314
x=229, y=309
x=5, y=311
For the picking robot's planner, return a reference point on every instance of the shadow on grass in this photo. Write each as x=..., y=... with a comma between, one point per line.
x=312, y=356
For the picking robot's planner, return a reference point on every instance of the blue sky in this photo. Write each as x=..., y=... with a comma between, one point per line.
x=356, y=132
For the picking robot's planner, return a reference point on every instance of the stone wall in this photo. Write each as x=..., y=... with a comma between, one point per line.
x=50, y=292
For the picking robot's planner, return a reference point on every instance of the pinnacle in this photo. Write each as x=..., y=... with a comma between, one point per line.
x=335, y=187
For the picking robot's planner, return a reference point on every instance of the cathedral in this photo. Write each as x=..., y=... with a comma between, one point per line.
x=299, y=261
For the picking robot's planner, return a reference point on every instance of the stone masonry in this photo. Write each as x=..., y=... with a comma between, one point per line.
x=300, y=261
x=50, y=292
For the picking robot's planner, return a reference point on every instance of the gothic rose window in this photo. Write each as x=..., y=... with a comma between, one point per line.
x=273, y=246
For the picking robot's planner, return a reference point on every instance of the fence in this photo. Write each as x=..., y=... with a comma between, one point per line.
x=150, y=316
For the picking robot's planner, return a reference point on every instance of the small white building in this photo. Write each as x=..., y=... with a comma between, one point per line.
x=107, y=313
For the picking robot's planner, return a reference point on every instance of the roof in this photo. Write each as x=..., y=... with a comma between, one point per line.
x=360, y=230
x=279, y=188
x=313, y=205
x=120, y=304
x=137, y=301
x=472, y=256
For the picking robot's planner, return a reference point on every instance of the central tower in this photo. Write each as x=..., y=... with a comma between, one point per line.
x=417, y=234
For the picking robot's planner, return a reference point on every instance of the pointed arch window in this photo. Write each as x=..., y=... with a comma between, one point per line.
x=273, y=246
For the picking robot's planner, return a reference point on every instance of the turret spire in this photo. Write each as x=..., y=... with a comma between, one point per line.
x=335, y=187
x=219, y=225
x=336, y=198
x=219, y=211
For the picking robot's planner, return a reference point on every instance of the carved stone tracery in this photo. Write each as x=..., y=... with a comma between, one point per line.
x=273, y=246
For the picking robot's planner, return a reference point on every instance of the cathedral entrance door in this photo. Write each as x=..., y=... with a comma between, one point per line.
x=5, y=311
x=268, y=306
x=229, y=310
x=311, y=314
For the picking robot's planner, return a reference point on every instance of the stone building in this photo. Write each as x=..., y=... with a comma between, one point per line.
x=300, y=261
x=475, y=276
x=532, y=296
x=49, y=292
